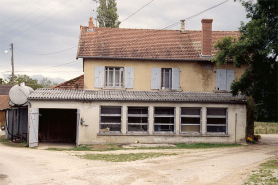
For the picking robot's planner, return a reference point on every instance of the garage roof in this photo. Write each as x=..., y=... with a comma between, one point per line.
x=121, y=95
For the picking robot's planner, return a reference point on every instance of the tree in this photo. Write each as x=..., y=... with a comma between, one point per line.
x=257, y=46
x=24, y=78
x=107, y=14
x=46, y=83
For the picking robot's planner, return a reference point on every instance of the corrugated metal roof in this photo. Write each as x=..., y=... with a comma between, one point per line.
x=120, y=95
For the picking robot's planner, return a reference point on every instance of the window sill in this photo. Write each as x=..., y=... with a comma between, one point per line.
x=114, y=88
x=163, y=134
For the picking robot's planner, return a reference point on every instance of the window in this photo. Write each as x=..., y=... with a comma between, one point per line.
x=224, y=78
x=166, y=78
x=114, y=76
x=190, y=120
x=217, y=120
x=137, y=119
x=110, y=119
x=164, y=119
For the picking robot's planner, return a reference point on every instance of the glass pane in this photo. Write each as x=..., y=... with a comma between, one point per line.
x=110, y=110
x=190, y=111
x=164, y=120
x=190, y=120
x=216, y=129
x=217, y=111
x=168, y=111
x=110, y=127
x=137, y=120
x=164, y=128
x=190, y=128
x=216, y=120
x=110, y=119
x=138, y=128
x=117, y=77
x=137, y=110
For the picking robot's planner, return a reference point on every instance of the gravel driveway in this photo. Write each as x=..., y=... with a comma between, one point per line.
x=201, y=166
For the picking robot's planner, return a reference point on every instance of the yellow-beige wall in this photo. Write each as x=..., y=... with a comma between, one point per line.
x=194, y=75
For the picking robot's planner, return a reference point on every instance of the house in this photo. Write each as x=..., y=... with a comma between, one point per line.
x=143, y=85
x=4, y=103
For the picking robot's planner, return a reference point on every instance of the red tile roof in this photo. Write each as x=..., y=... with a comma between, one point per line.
x=76, y=83
x=4, y=102
x=143, y=43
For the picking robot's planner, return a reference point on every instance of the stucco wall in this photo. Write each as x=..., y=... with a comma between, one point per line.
x=90, y=113
x=194, y=76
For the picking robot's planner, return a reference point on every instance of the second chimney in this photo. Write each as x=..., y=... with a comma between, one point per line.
x=182, y=27
x=91, y=24
x=206, y=37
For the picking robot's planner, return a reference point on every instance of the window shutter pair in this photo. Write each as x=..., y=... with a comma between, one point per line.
x=156, y=78
x=224, y=78
x=99, y=77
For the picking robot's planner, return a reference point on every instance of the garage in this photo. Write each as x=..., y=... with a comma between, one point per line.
x=57, y=125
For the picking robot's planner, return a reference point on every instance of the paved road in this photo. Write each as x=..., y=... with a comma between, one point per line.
x=206, y=166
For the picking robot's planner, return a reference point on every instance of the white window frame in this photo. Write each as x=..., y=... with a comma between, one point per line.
x=164, y=71
x=141, y=116
x=215, y=116
x=120, y=77
x=188, y=115
x=164, y=116
x=107, y=130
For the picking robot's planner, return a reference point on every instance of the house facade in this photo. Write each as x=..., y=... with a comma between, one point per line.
x=146, y=86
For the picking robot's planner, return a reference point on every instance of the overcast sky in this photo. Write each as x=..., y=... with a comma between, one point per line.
x=44, y=31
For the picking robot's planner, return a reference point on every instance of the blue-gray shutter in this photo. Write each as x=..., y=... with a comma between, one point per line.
x=221, y=79
x=176, y=78
x=129, y=77
x=230, y=78
x=99, y=77
x=155, y=78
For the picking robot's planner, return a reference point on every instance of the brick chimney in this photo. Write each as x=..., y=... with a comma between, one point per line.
x=206, y=37
x=91, y=24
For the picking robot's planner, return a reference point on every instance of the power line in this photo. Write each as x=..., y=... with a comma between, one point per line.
x=16, y=29
x=24, y=16
x=19, y=13
x=46, y=53
x=137, y=11
x=40, y=22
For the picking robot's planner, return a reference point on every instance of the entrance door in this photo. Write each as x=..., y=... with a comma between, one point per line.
x=33, y=127
x=77, y=126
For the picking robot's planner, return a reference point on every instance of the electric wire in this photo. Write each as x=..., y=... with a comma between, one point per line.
x=45, y=53
x=137, y=11
x=40, y=22
x=165, y=28
x=25, y=16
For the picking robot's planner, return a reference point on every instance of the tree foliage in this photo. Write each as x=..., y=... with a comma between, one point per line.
x=44, y=83
x=107, y=14
x=257, y=47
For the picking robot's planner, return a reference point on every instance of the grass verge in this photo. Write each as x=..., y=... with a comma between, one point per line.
x=109, y=147
x=267, y=174
x=123, y=157
x=8, y=142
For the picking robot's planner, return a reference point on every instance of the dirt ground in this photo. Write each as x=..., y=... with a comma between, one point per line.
x=201, y=166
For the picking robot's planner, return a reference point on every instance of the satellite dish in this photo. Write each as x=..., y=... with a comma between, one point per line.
x=19, y=93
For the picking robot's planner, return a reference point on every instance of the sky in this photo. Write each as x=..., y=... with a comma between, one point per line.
x=45, y=33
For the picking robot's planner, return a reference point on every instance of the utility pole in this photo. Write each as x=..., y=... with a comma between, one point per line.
x=12, y=49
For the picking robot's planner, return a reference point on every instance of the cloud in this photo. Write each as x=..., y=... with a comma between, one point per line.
x=43, y=27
